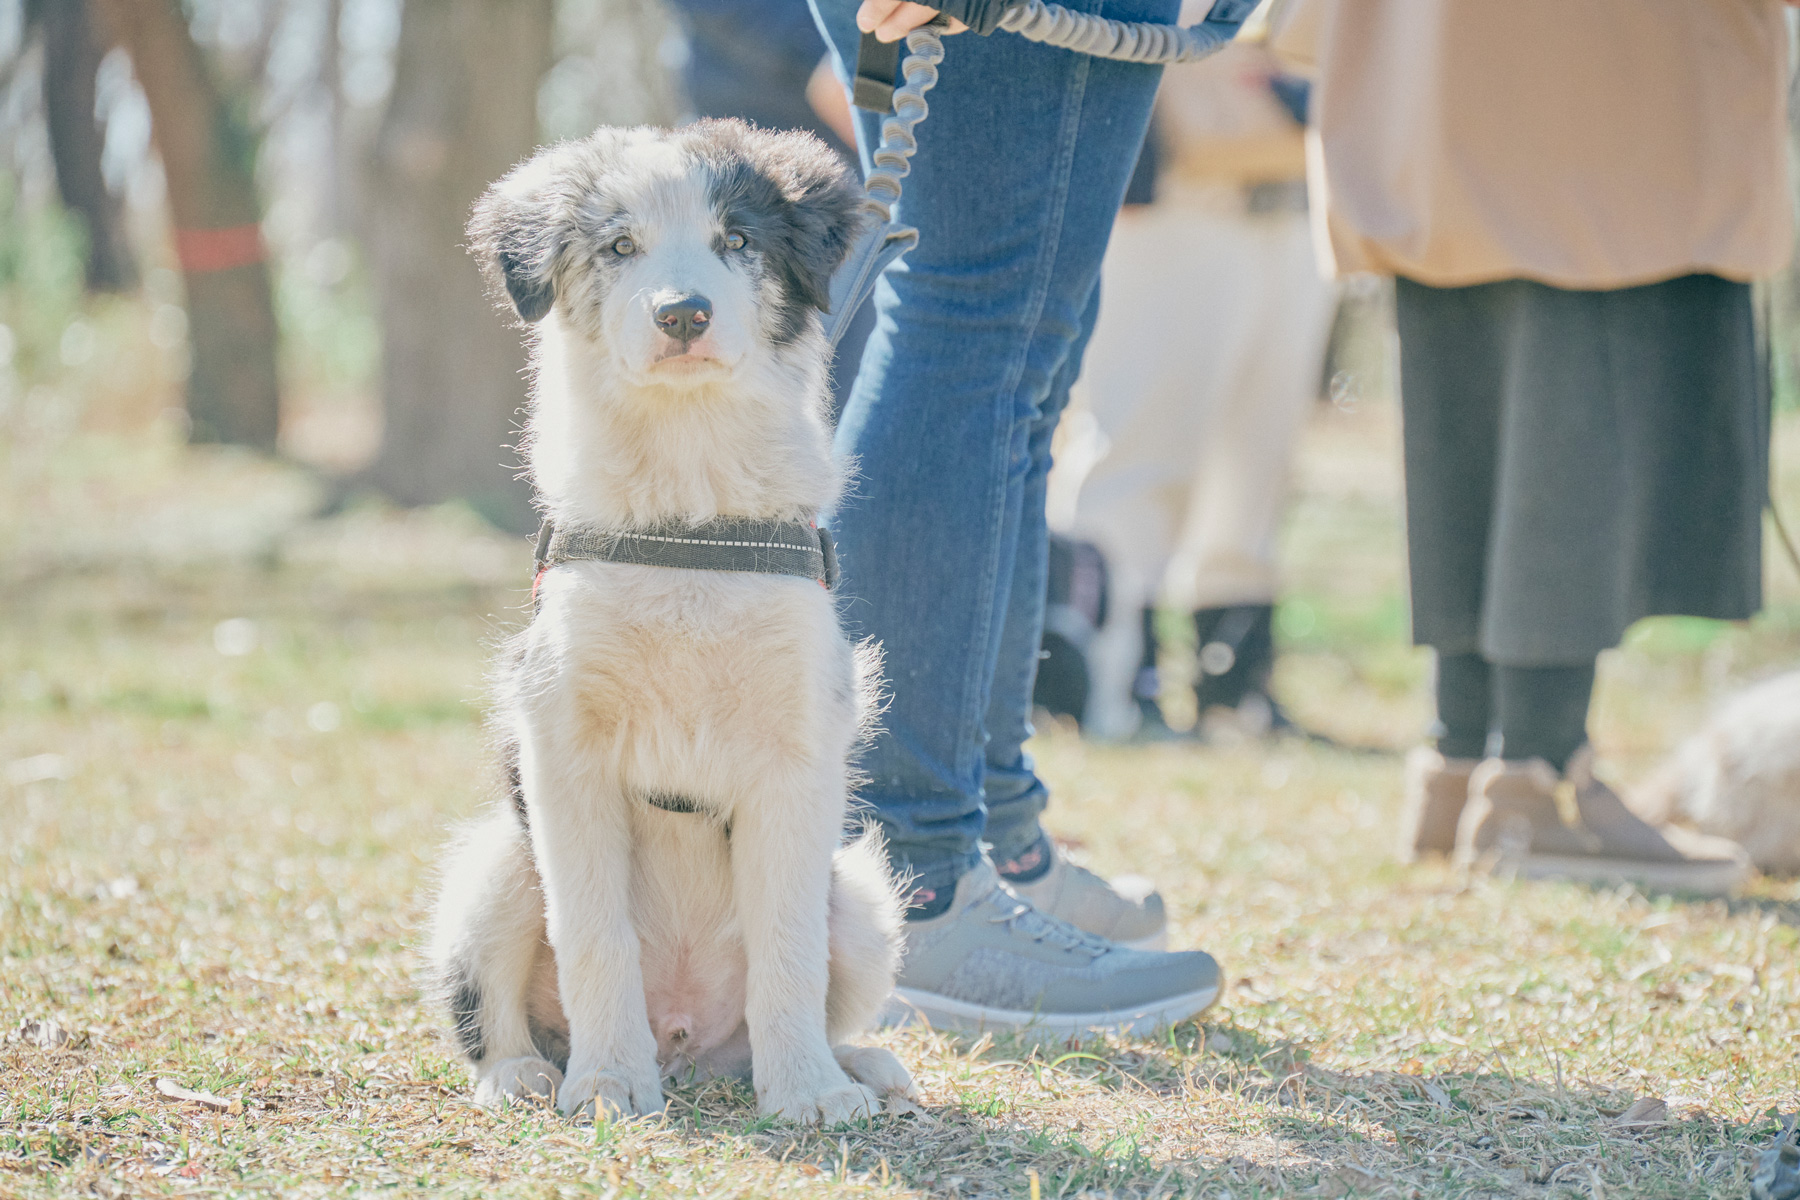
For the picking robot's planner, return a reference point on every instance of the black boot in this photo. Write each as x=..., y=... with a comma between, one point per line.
x=1146, y=687
x=1061, y=686
x=1236, y=657
x=1074, y=608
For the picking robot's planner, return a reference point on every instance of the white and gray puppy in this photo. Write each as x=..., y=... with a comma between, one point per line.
x=589, y=943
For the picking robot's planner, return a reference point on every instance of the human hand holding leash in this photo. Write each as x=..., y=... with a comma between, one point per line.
x=891, y=20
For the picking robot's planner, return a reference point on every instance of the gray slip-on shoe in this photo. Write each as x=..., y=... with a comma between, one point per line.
x=1126, y=910
x=995, y=962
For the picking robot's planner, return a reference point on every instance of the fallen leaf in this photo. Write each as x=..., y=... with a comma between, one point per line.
x=45, y=1035
x=1686, y=1108
x=809, y=1169
x=1348, y=1180
x=174, y=1091
x=1544, y=1172
x=1246, y=989
x=1644, y=1113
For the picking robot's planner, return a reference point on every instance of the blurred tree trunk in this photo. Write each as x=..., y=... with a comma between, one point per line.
x=73, y=49
x=207, y=160
x=462, y=111
x=331, y=75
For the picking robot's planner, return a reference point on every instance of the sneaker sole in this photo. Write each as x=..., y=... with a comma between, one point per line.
x=1693, y=878
x=942, y=1012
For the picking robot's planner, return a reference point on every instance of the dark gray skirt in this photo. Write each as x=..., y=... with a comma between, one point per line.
x=1576, y=460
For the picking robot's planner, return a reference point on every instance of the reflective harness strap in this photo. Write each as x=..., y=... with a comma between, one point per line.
x=798, y=548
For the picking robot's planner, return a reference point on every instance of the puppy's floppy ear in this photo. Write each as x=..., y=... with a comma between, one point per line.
x=825, y=212
x=514, y=234
x=828, y=201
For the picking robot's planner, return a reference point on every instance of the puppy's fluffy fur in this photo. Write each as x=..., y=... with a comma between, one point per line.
x=1739, y=777
x=588, y=943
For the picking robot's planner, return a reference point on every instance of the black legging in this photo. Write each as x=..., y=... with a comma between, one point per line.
x=1540, y=712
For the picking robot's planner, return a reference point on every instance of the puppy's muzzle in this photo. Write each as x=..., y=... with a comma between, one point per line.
x=685, y=318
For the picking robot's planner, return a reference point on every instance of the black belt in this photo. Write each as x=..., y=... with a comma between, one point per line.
x=723, y=544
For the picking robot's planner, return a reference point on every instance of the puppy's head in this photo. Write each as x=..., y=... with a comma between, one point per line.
x=684, y=256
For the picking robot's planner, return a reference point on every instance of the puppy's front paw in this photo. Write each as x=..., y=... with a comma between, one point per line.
x=516, y=1079
x=826, y=1106
x=616, y=1093
x=876, y=1067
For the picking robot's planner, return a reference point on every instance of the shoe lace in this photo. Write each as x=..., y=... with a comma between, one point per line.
x=1025, y=920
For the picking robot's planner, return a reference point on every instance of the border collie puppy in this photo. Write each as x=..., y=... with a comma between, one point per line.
x=667, y=896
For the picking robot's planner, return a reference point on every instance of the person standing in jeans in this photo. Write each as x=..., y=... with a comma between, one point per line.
x=1573, y=199
x=942, y=542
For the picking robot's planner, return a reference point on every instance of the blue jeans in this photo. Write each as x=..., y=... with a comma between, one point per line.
x=1021, y=168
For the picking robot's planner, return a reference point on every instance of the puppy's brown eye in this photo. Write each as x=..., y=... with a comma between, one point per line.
x=734, y=241
x=624, y=247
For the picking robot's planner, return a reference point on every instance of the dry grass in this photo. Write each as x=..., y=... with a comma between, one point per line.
x=213, y=865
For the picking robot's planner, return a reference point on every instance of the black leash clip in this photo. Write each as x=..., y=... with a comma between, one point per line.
x=877, y=69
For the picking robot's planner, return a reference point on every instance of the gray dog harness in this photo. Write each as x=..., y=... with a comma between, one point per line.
x=798, y=548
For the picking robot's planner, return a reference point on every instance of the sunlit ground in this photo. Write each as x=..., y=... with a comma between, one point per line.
x=232, y=739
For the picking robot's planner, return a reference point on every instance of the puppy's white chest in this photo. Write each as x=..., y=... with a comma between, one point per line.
x=689, y=682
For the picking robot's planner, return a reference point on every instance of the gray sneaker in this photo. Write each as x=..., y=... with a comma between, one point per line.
x=1127, y=910
x=995, y=962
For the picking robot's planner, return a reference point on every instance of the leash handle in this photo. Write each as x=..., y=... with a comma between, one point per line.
x=1126, y=41
x=1090, y=33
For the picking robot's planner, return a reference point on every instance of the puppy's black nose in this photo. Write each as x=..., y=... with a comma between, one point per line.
x=686, y=318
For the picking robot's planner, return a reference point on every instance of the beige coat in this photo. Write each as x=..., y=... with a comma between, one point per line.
x=1585, y=144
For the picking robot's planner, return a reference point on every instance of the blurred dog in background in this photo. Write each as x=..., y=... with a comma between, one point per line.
x=1739, y=777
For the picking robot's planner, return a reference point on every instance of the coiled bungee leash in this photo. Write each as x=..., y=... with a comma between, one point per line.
x=872, y=88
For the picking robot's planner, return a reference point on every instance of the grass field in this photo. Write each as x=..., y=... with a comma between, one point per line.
x=232, y=740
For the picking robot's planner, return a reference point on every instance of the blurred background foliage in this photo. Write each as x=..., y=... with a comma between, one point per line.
x=364, y=129
x=361, y=173
x=311, y=102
